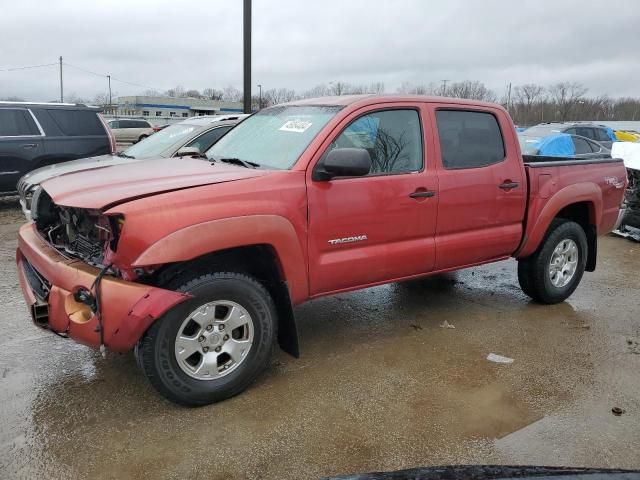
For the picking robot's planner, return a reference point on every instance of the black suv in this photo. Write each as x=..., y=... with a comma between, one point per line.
x=33, y=135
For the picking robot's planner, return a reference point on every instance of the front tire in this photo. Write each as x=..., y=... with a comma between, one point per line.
x=554, y=271
x=214, y=345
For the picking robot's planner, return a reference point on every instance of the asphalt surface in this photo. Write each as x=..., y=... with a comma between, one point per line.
x=380, y=385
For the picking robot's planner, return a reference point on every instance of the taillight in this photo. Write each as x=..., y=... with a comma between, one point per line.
x=112, y=139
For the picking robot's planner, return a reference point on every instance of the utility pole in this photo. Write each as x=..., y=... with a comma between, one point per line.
x=260, y=97
x=61, y=90
x=246, y=33
x=109, y=78
x=444, y=87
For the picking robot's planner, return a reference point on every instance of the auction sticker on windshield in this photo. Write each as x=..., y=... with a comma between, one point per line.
x=297, y=126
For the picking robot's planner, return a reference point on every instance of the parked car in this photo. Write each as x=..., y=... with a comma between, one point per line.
x=33, y=135
x=195, y=265
x=599, y=133
x=128, y=130
x=190, y=137
x=562, y=145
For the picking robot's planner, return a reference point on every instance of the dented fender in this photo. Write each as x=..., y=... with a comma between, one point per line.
x=217, y=235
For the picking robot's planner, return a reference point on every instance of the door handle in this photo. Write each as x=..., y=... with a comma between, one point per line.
x=29, y=145
x=508, y=185
x=422, y=194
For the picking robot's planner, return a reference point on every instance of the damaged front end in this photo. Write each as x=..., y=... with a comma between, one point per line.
x=84, y=234
x=630, y=222
x=66, y=267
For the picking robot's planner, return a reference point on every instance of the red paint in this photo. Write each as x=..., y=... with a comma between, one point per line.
x=178, y=211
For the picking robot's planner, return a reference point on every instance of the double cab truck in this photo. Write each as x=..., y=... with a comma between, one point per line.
x=196, y=265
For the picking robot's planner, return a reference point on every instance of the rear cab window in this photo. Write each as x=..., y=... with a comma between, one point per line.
x=73, y=123
x=469, y=139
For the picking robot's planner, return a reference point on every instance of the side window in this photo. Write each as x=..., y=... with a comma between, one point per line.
x=601, y=135
x=393, y=139
x=204, y=141
x=158, y=113
x=75, y=123
x=595, y=147
x=469, y=139
x=16, y=123
x=585, y=132
x=570, y=131
x=581, y=145
x=114, y=124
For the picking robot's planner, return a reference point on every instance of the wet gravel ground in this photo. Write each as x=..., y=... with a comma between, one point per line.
x=380, y=385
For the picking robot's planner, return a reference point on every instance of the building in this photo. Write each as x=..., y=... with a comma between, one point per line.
x=170, y=107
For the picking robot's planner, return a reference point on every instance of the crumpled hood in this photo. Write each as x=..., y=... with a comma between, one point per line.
x=39, y=175
x=104, y=187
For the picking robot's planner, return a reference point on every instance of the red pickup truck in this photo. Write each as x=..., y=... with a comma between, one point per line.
x=196, y=264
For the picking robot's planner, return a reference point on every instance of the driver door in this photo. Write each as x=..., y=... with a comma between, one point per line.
x=379, y=227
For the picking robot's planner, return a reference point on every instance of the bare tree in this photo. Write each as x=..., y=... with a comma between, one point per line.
x=11, y=98
x=565, y=96
x=176, y=92
x=231, y=94
x=318, y=91
x=376, y=87
x=527, y=97
x=409, y=88
x=339, y=88
x=472, y=90
x=212, y=94
x=275, y=96
x=193, y=93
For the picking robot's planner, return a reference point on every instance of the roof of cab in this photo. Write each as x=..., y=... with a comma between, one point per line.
x=363, y=100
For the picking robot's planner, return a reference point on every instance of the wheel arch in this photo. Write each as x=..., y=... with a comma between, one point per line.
x=264, y=246
x=581, y=203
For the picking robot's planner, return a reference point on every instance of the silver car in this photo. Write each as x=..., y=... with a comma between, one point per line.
x=189, y=137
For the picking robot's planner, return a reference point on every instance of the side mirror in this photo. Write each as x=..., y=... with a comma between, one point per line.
x=344, y=162
x=188, y=152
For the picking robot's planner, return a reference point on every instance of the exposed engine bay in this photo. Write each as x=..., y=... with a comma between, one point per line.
x=630, y=226
x=75, y=232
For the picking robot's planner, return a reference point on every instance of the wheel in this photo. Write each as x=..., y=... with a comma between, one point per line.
x=554, y=271
x=214, y=345
x=142, y=137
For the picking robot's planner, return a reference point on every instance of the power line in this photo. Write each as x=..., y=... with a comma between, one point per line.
x=107, y=76
x=27, y=67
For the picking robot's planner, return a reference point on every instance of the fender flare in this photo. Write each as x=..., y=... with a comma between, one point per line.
x=576, y=193
x=217, y=235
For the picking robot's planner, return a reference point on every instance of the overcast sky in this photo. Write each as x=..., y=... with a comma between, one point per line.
x=298, y=44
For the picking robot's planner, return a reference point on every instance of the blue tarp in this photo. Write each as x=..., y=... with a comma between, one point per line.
x=612, y=134
x=559, y=145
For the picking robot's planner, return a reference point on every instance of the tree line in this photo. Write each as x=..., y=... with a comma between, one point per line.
x=528, y=104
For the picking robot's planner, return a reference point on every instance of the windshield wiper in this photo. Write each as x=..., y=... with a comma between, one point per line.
x=124, y=155
x=237, y=161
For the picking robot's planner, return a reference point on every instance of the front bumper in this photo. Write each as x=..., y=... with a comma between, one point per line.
x=49, y=280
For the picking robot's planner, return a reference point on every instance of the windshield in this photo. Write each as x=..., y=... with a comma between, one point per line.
x=156, y=144
x=542, y=130
x=274, y=137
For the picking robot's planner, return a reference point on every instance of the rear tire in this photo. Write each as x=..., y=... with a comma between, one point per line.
x=554, y=271
x=142, y=137
x=210, y=374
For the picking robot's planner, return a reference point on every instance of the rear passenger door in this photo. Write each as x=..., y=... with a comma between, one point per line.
x=481, y=186
x=20, y=146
